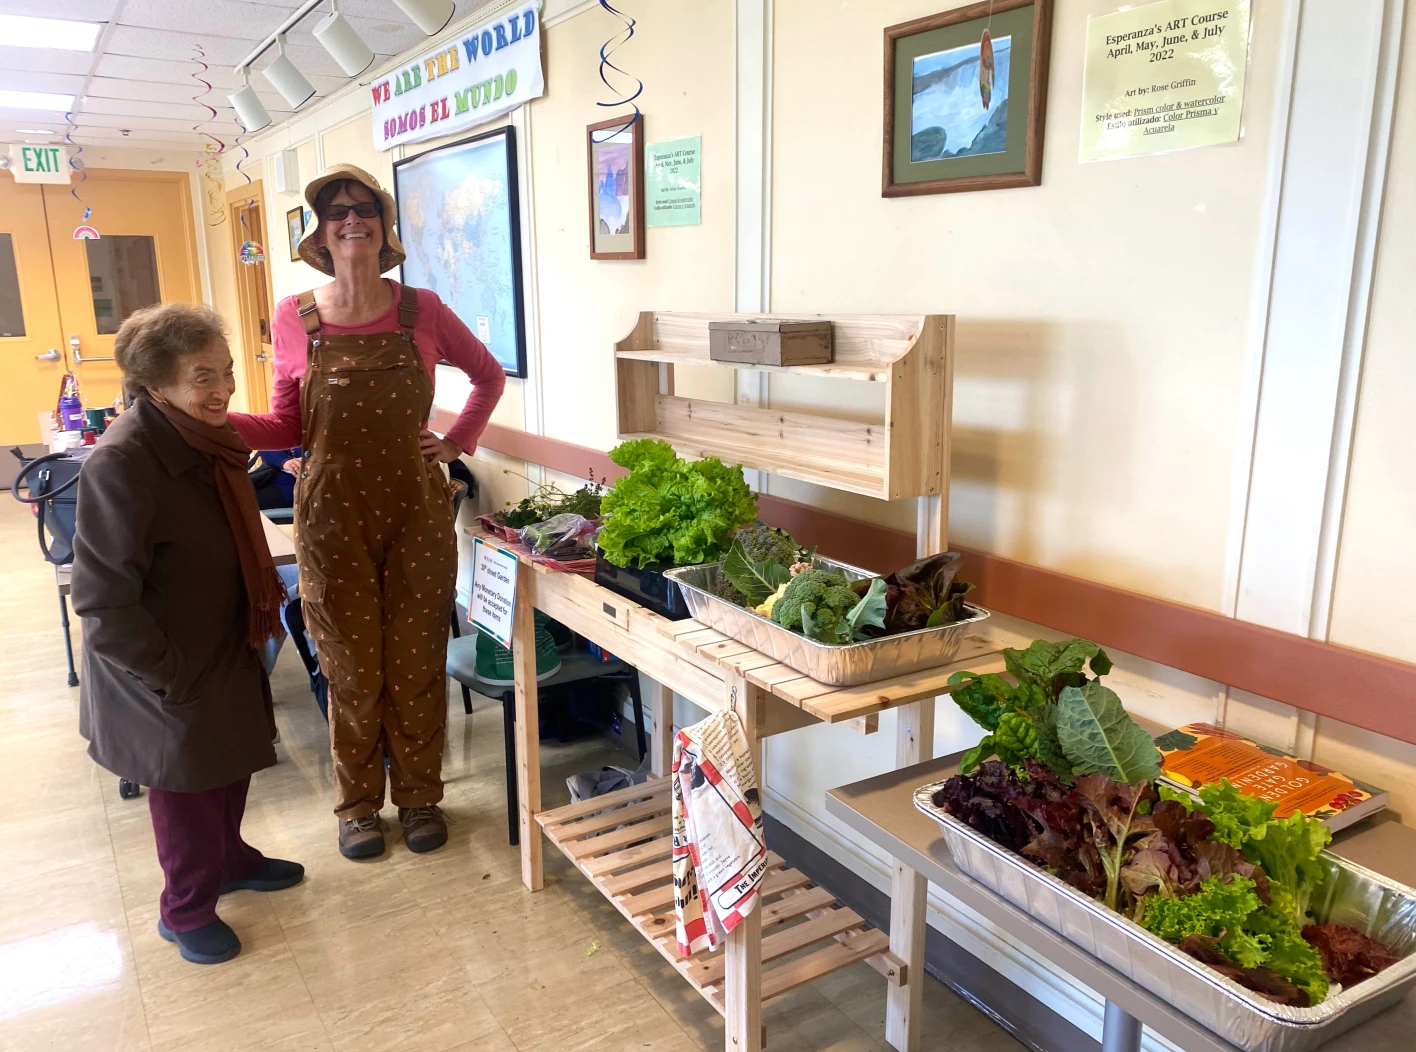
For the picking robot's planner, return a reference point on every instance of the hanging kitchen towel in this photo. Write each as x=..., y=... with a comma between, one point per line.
x=720, y=854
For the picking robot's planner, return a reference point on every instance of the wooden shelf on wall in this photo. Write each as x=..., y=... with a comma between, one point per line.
x=903, y=454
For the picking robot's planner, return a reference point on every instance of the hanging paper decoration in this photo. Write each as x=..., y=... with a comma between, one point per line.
x=251, y=253
x=606, y=50
x=84, y=232
x=985, y=69
x=209, y=166
x=78, y=166
x=257, y=255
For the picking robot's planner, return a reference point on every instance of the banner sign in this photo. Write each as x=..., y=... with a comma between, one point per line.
x=39, y=164
x=1166, y=76
x=490, y=71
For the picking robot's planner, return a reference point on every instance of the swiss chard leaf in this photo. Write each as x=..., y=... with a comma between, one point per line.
x=1049, y=749
x=984, y=698
x=756, y=581
x=1099, y=737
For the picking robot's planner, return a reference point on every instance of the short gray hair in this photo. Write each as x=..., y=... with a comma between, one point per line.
x=153, y=340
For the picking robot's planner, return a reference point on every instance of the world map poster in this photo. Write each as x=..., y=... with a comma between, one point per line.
x=457, y=209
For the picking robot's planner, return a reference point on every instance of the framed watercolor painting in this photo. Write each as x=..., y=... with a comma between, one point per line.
x=459, y=216
x=295, y=227
x=616, y=188
x=964, y=111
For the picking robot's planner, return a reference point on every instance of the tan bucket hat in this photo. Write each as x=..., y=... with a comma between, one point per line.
x=312, y=247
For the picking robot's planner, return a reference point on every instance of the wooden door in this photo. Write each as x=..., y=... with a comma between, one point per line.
x=253, y=296
x=31, y=337
x=146, y=253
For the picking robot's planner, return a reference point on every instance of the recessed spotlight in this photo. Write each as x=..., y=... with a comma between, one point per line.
x=60, y=33
x=35, y=100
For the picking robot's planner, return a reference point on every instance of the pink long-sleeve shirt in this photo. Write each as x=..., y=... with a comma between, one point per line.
x=440, y=335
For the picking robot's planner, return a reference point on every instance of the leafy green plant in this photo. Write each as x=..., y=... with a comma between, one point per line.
x=1027, y=719
x=755, y=579
x=668, y=511
x=823, y=606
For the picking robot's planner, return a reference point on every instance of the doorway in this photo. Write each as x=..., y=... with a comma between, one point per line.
x=253, y=295
x=63, y=295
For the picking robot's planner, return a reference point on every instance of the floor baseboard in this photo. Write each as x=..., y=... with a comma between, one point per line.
x=1015, y=1010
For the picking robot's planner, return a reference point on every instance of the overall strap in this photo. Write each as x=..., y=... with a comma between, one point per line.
x=408, y=308
x=309, y=314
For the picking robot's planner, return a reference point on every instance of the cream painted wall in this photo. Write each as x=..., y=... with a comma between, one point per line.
x=1374, y=605
x=1102, y=315
x=684, y=54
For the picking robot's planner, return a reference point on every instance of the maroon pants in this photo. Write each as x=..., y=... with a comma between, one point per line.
x=200, y=847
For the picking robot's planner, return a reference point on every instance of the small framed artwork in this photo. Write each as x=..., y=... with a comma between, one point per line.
x=966, y=98
x=616, y=176
x=295, y=223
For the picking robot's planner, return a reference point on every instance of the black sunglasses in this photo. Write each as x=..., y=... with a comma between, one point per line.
x=364, y=210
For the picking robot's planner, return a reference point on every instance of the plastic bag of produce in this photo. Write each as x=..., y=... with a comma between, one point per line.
x=559, y=533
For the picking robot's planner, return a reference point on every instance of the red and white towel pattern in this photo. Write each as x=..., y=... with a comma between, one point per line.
x=720, y=854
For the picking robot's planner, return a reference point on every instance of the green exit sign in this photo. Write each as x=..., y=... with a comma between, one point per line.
x=40, y=164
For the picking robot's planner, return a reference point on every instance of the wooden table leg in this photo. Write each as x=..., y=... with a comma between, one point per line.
x=743, y=968
x=528, y=725
x=914, y=743
x=661, y=712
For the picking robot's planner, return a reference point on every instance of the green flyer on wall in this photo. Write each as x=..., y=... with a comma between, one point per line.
x=672, y=182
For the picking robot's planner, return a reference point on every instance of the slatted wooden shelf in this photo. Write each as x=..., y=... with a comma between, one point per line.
x=621, y=842
x=831, y=704
x=903, y=452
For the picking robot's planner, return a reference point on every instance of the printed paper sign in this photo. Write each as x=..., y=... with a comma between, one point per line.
x=493, y=592
x=39, y=164
x=672, y=182
x=494, y=68
x=1166, y=76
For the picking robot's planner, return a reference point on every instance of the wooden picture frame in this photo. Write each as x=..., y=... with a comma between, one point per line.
x=990, y=154
x=615, y=161
x=295, y=230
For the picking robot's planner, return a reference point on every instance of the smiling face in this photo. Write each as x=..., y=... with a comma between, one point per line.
x=353, y=237
x=203, y=385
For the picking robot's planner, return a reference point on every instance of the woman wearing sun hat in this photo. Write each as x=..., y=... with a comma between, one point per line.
x=354, y=366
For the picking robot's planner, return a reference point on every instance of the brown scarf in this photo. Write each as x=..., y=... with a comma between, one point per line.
x=265, y=592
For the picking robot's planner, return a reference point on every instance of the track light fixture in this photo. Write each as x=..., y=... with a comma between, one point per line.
x=286, y=79
x=248, y=105
x=431, y=16
x=344, y=45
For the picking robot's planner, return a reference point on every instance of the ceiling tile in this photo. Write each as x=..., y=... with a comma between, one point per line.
x=229, y=19
x=44, y=60
x=26, y=81
x=10, y=117
x=117, y=89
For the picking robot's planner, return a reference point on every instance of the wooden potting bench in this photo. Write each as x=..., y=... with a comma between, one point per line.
x=621, y=842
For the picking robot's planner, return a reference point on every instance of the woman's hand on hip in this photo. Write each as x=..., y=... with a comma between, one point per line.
x=438, y=450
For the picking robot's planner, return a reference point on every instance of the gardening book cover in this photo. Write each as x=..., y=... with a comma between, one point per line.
x=1199, y=753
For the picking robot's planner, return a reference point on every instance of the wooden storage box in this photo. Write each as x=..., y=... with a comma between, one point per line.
x=770, y=342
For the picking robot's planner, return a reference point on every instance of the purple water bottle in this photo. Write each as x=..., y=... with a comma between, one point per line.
x=71, y=406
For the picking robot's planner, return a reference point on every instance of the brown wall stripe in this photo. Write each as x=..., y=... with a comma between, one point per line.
x=1366, y=690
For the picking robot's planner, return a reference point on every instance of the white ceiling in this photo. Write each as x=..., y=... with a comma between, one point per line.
x=140, y=81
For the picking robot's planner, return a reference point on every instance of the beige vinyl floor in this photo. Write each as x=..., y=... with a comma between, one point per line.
x=430, y=953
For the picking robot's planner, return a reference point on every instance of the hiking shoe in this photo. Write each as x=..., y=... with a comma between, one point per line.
x=273, y=874
x=210, y=944
x=494, y=660
x=424, y=828
x=361, y=837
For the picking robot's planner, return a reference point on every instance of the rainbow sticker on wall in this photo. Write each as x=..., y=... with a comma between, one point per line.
x=85, y=233
x=251, y=253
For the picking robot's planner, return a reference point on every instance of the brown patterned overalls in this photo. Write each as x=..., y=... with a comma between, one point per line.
x=378, y=559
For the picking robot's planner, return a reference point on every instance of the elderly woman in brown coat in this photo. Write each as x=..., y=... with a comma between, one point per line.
x=177, y=590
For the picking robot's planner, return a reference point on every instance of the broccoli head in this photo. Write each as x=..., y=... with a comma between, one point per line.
x=762, y=543
x=828, y=597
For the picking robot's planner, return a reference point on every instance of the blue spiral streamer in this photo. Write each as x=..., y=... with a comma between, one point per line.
x=83, y=174
x=245, y=156
x=608, y=49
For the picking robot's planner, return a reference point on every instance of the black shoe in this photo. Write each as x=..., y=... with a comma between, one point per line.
x=273, y=874
x=212, y=943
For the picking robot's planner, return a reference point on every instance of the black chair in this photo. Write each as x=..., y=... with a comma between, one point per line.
x=49, y=483
x=578, y=665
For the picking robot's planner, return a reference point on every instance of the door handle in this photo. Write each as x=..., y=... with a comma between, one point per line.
x=51, y=355
x=260, y=356
x=78, y=354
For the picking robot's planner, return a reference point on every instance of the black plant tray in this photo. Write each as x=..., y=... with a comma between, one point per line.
x=649, y=588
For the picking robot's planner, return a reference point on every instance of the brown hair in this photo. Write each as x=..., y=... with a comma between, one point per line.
x=331, y=190
x=153, y=340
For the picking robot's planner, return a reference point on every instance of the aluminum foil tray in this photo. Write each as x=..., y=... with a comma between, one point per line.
x=839, y=666
x=1353, y=895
